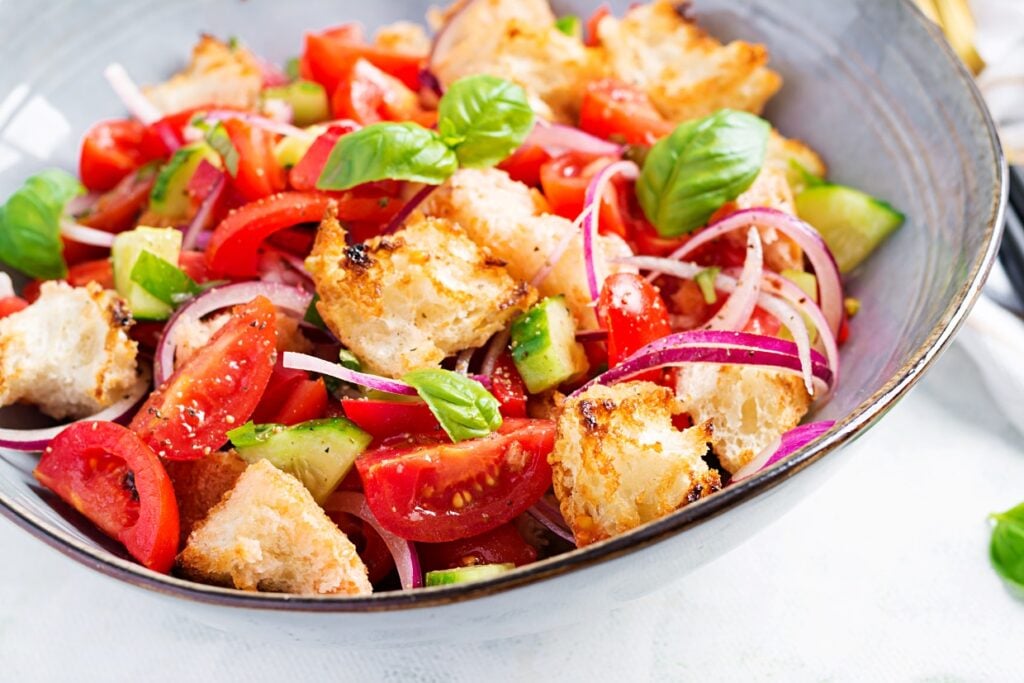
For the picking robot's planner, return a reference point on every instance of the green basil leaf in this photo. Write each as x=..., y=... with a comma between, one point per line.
x=465, y=409
x=388, y=151
x=703, y=164
x=484, y=119
x=163, y=280
x=30, y=224
x=570, y=25
x=1007, y=549
x=706, y=281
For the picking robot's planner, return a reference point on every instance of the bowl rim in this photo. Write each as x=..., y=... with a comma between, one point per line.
x=845, y=430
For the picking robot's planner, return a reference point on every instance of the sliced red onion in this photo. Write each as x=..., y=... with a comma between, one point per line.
x=85, y=235
x=290, y=299
x=592, y=201
x=202, y=217
x=302, y=361
x=258, y=121
x=785, y=289
x=296, y=264
x=556, y=139
x=431, y=83
x=407, y=209
x=830, y=287
x=137, y=104
x=33, y=440
x=785, y=314
x=782, y=448
x=551, y=519
x=499, y=343
x=559, y=251
x=404, y=553
x=736, y=312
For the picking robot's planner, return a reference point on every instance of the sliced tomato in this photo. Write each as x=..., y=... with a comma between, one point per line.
x=508, y=387
x=614, y=110
x=564, y=181
x=111, y=476
x=525, y=163
x=763, y=322
x=110, y=151
x=304, y=174
x=384, y=419
x=10, y=305
x=234, y=246
x=367, y=95
x=216, y=390
x=118, y=209
x=632, y=311
x=430, y=491
x=291, y=397
x=100, y=271
x=497, y=546
x=259, y=175
x=163, y=137
x=327, y=56
x=593, y=22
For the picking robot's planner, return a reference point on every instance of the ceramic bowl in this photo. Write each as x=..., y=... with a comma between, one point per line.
x=869, y=83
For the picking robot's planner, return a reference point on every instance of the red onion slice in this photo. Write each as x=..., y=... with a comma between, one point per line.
x=791, y=319
x=592, y=209
x=302, y=361
x=789, y=291
x=557, y=139
x=407, y=561
x=551, y=519
x=287, y=298
x=83, y=234
x=407, y=209
x=782, y=448
x=33, y=440
x=137, y=104
x=199, y=221
x=736, y=312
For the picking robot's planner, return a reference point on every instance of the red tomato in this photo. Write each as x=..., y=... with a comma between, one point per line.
x=367, y=95
x=371, y=547
x=564, y=181
x=147, y=333
x=234, y=246
x=118, y=210
x=384, y=419
x=763, y=322
x=304, y=174
x=112, y=477
x=508, y=387
x=434, y=492
x=259, y=175
x=291, y=397
x=329, y=54
x=216, y=390
x=11, y=304
x=611, y=109
x=632, y=311
x=193, y=263
x=110, y=151
x=497, y=546
x=100, y=271
x=592, y=23
x=168, y=134
x=524, y=165
x=646, y=240
x=844, y=331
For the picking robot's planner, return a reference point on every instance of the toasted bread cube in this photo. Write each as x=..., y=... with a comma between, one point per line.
x=750, y=406
x=686, y=72
x=409, y=300
x=69, y=352
x=200, y=484
x=403, y=36
x=619, y=461
x=269, y=534
x=219, y=74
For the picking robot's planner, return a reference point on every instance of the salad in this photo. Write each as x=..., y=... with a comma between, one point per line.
x=411, y=311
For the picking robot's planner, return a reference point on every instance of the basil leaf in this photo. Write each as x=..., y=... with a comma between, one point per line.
x=703, y=164
x=30, y=224
x=570, y=25
x=1007, y=548
x=383, y=151
x=484, y=119
x=163, y=280
x=463, y=407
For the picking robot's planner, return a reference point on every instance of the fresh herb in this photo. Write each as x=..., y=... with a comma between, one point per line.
x=163, y=280
x=481, y=120
x=312, y=315
x=1007, y=549
x=703, y=164
x=706, y=281
x=465, y=409
x=349, y=360
x=30, y=224
x=570, y=25
x=216, y=136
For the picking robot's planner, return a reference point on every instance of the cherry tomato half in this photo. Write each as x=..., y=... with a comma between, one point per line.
x=10, y=305
x=329, y=54
x=632, y=311
x=367, y=95
x=291, y=397
x=384, y=419
x=508, y=387
x=304, y=174
x=110, y=151
x=259, y=175
x=425, y=490
x=111, y=476
x=611, y=109
x=497, y=546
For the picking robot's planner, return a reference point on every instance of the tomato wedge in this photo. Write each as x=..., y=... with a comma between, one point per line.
x=118, y=209
x=497, y=546
x=525, y=163
x=426, y=490
x=259, y=175
x=291, y=397
x=367, y=95
x=329, y=54
x=508, y=387
x=611, y=109
x=632, y=311
x=110, y=151
x=216, y=390
x=111, y=476
x=564, y=181
x=304, y=174
x=384, y=419
x=10, y=305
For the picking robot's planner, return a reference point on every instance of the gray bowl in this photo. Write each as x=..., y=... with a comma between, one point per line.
x=871, y=84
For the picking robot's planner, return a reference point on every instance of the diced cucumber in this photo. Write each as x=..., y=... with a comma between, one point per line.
x=544, y=346
x=165, y=281
x=164, y=243
x=852, y=222
x=169, y=196
x=319, y=453
x=308, y=101
x=290, y=149
x=480, y=572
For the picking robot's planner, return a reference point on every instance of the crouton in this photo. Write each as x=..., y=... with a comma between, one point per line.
x=517, y=40
x=409, y=300
x=749, y=406
x=219, y=74
x=38, y=365
x=781, y=154
x=619, y=462
x=771, y=190
x=200, y=484
x=403, y=36
x=686, y=72
x=269, y=534
x=508, y=217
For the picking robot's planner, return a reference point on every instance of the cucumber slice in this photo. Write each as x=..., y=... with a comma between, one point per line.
x=319, y=453
x=544, y=346
x=480, y=572
x=308, y=101
x=852, y=223
x=163, y=243
x=169, y=196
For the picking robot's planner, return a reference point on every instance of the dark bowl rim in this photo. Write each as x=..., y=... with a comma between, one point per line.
x=850, y=427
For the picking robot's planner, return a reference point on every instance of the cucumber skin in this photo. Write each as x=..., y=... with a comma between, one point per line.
x=480, y=572
x=169, y=189
x=162, y=242
x=307, y=99
x=542, y=360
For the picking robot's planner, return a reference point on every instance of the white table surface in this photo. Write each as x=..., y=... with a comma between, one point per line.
x=881, y=574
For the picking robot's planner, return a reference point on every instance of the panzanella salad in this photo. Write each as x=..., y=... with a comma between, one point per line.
x=413, y=311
